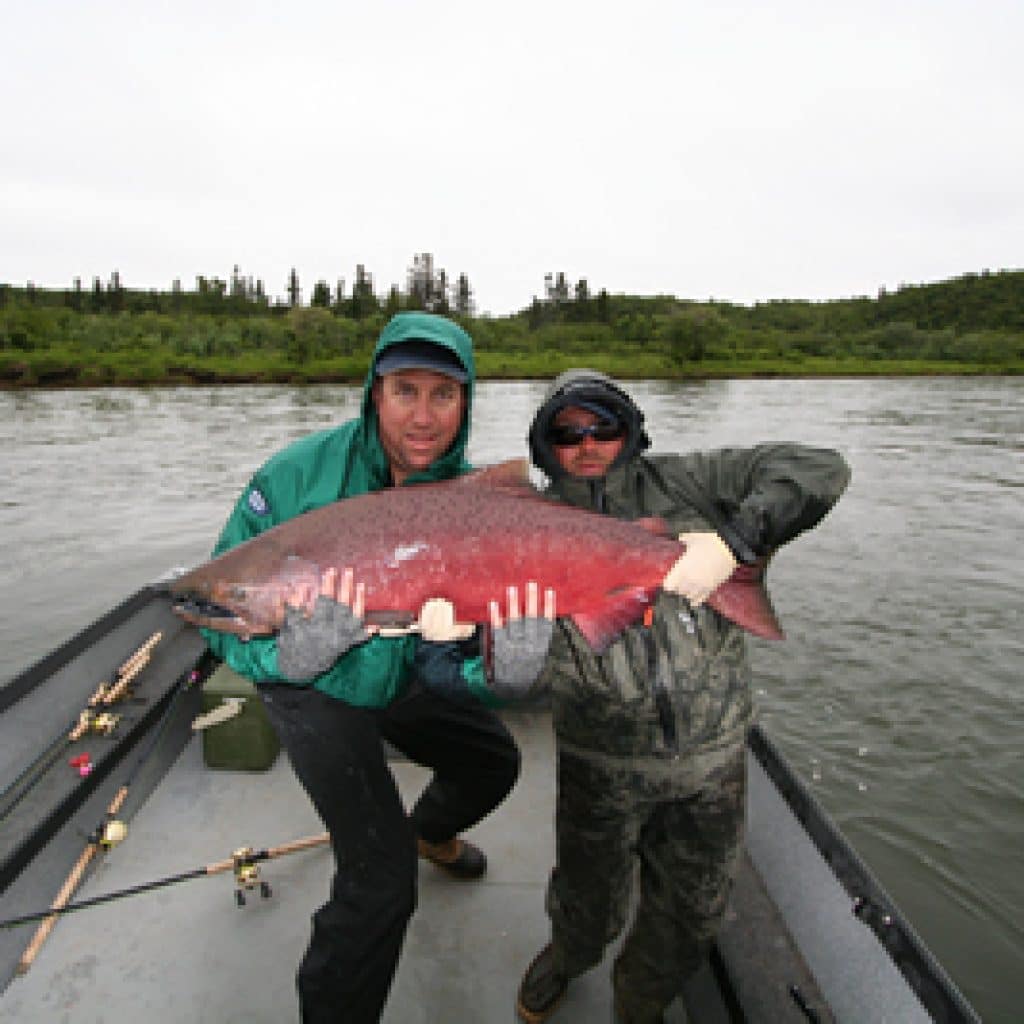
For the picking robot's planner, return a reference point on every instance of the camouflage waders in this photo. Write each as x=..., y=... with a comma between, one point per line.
x=686, y=844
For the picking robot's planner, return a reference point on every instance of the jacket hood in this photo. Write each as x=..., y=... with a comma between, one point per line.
x=584, y=387
x=447, y=334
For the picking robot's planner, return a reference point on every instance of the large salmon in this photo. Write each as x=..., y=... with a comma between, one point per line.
x=466, y=540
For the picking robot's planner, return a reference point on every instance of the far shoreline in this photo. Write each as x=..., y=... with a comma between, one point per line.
x=126, y=372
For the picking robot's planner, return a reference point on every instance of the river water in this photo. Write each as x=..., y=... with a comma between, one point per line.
x=897, y=695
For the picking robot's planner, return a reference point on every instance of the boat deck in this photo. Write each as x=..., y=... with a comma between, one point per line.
x=187, y=952
x=791, y=949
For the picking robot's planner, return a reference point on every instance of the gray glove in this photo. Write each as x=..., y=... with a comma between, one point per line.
x=309, y=646
x=518, y=652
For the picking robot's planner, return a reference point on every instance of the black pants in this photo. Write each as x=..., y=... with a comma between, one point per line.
x=338, y=756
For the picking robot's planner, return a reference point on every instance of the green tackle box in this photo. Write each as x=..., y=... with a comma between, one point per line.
x=239, y=740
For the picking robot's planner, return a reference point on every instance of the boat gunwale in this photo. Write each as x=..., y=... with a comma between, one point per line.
x=129, y=738
x=28, y=679
x=870, y=902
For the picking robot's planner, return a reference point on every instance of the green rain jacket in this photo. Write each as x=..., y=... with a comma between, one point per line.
x=320, y=468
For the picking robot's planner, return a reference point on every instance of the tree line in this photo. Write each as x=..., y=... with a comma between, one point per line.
x=232, y=330
x=427, y=288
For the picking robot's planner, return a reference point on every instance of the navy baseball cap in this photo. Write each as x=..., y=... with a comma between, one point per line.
x=421, y=355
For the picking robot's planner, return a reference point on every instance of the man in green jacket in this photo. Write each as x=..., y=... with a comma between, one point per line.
x=333, y=691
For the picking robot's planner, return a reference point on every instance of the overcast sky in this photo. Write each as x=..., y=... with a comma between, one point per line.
x=739, y=150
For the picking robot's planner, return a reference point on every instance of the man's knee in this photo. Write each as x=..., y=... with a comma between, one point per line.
x=510, y=765
x=498, y=772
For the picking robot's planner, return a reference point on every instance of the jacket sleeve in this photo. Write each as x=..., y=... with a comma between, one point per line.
x=461, y=671
x=455, y=670
x=254, y=512
x=771, y=493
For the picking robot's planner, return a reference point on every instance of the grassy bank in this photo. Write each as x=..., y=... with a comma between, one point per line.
x=60, y=368
x=115, y=337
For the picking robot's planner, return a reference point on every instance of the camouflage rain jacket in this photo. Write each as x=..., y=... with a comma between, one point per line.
x=323, y=467
x=673, y=696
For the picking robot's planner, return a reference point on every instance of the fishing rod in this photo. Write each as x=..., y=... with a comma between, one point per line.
x=244, y=862
x=108, y=833
x=92, y=719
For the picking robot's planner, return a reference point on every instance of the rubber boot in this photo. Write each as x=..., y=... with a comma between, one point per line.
x=542, y=987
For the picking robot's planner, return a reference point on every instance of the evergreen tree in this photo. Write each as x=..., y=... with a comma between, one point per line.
x=420, y=280
x=321, y=295
x=440, y=304
x=426, y=286
x=74, y=298
x=393, y=304
x=537, y=314
x=581, y=311
x=556, y=288
x=294, y=291
x=115, y=293
x=363, y=302
x=464, y=305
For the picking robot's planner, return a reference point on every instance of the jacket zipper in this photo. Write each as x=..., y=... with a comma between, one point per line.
x=662, y=700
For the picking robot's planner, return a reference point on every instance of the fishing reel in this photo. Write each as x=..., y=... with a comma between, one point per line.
x=109, y=833
x=113, y=832
x=105, y=723
x=101, y=723
x=247, y=875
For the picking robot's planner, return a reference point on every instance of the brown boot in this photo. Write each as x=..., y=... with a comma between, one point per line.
x=542, y=987
x=458, y=857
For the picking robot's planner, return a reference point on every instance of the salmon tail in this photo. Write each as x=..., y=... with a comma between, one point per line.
x=744, y=599
x=601, y=627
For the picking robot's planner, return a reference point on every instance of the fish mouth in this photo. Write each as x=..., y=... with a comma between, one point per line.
x=201, y=612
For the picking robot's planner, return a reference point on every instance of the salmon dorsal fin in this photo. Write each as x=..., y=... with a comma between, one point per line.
x=513, y=475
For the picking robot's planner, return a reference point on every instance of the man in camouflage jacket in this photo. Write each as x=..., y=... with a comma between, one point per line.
x=651, y=734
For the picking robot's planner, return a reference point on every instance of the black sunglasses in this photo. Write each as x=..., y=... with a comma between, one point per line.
x=565, y=437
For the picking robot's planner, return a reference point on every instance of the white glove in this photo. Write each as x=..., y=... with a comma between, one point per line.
x=437, y=622
x=702, y=568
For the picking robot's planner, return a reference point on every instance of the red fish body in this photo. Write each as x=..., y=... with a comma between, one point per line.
x=466, y=540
